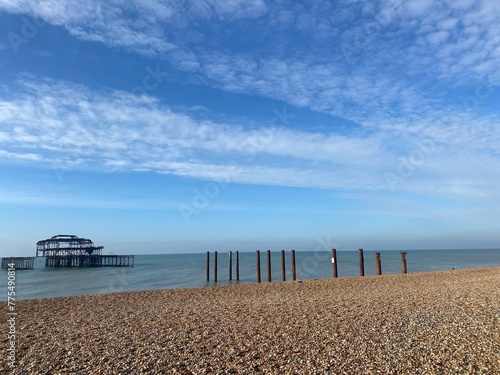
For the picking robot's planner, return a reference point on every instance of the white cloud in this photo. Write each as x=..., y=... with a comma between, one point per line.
x=44, y=53
x=20, y=155
x=438, y=37
x=397, y=78
x=418, y=8
x=447, y=24
x=328, y=78
x=461, y=4
x=230, y=9
x=73, y=126
x=67, y=126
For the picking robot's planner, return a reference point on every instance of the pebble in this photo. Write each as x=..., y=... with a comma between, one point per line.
x=424, y=323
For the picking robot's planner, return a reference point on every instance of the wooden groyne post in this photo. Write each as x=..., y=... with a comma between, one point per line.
x=403, y=262
x=334, y=263
x=294, y=271
x=237, y=266
x=361, y=263
x=283, y=273
x=208, y=265
x=230, y=271
x=215, y=266
x=378, y=265
x=268, y=265
x=258, y=265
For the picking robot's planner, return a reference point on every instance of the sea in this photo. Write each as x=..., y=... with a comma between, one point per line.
x=170, y=271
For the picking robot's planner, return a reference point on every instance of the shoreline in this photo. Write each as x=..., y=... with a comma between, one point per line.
x=234, y=283
x=438, y=321
x=187, y=270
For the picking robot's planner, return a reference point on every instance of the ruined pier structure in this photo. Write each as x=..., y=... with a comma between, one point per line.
x=72, y=251
x=20, y=263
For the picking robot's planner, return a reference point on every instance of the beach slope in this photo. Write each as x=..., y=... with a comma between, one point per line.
x=424, y=323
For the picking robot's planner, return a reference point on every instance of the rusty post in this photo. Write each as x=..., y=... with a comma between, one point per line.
x=269, y=265
x=334, y=263
x=294, y=272
x=283, y=273
x=361, y=263
x=215, y=266
x=258, y=266
x=237, y=266
x=208, y=265
x=378, y=265
x=230, y=265
x=403, y=262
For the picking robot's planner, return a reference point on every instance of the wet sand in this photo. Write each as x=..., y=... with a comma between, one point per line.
x=424, y=323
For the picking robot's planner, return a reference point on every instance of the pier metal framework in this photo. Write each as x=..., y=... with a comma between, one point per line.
x=90, y=261
x=63, y=245
x=20, y=263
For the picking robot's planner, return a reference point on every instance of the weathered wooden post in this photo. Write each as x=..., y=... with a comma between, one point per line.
x=208, y=265
x=283, y=273
x=237, y=266
x=230, y=265
x=269, y=265
x=378, y=265
x=258, y=266
x=294, y=272
x=215, y=266
x=361, y=263
x=334, y=263
x=403, y=262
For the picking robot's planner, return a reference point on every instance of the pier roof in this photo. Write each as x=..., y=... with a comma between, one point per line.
x=66, y=244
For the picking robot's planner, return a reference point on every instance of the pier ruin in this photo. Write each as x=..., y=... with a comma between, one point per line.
x=20, y=263
x=72, y=251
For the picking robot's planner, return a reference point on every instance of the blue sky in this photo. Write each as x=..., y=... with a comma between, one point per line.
x=185, y=126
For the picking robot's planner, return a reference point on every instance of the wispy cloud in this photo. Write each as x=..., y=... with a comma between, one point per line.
x=44, y=53
x=361, y=63
x=72, y=126
x=69, y=126
x=410, y=72
x=31, y=196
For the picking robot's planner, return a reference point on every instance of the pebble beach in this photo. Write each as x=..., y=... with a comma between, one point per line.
x=443, y=322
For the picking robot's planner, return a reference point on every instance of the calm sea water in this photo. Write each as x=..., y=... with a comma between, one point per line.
x=188, y=270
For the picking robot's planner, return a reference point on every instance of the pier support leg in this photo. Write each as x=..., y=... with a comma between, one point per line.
x=361, y=263
x=334, y=263
x=215, y=266
x=283, y=273
x=269, y=265
x=378, y=264
x=294, y=271
x=403, y=262
x=208, y=265
x=237, y=266
x=258, y=265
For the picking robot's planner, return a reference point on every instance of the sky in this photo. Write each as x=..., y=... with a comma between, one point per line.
x=189, y=126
